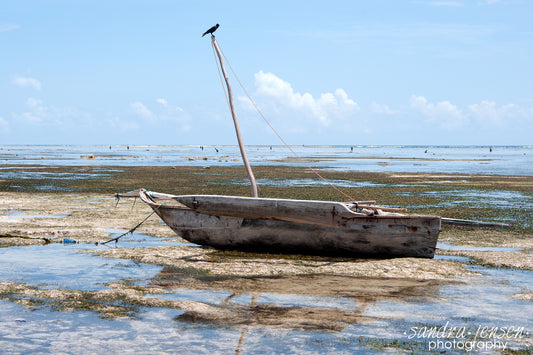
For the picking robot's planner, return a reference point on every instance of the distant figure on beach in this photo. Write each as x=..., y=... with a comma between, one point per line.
x=351, y=149
x=202, y=147
x=216, y=150
x=490, y=149
x=211, y=30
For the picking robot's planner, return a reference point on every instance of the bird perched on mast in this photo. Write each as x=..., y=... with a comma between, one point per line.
x=211, y=30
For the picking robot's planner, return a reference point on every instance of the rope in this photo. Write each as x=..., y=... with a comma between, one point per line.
x=277, y=134
x=134, y=228
x=220, y=73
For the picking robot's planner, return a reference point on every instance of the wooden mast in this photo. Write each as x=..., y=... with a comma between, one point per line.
x=235, y=121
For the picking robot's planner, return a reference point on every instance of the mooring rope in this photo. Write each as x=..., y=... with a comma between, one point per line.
x=134, y=228
x=272, y=128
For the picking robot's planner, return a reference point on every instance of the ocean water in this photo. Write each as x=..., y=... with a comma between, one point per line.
x=508, y=160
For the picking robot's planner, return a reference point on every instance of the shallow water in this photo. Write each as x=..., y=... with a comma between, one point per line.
x=19, y=214
x=306, y=182
x=384, y=319
x=481, y=198
x=450, y=246
x=17, y=175
x=468, y=160
x=64, y=266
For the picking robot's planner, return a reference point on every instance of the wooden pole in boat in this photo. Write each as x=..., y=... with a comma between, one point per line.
x=235, y=121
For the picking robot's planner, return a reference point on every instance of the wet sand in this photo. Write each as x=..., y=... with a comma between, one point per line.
x=86, y=211
x=89, y=218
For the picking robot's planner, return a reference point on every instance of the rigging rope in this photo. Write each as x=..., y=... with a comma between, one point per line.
x=224, y=87
x=271, y=127
x=220, y=73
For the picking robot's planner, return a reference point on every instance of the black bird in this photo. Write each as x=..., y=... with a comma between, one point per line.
x=211, y=30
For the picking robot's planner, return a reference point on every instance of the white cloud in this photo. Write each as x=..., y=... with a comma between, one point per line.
x=488, y=112
x=124, y=126
x=441, y=3
x=4, y=125
x=382, y=109
x=33, y=103
x=4, y=27
x=444, y=113
x=164, y=112
x=39, y=113
x=26, y=82
x=284, y=101
x=140, y=109
x=168, y=108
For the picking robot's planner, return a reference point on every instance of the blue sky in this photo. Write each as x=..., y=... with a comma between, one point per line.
x=397, y=72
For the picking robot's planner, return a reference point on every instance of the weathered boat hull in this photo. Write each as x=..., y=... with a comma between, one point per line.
x=376, y=236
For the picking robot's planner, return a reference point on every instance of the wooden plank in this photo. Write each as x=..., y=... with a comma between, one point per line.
x=300, y=211
x=465, y=222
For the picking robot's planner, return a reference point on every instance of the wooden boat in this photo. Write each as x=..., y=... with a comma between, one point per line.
x=292, y=226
